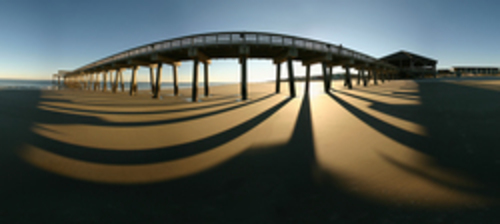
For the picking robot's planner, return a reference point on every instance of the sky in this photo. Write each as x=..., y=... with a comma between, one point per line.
x=40, y=37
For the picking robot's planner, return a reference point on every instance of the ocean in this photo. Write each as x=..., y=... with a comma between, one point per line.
x=49, y=85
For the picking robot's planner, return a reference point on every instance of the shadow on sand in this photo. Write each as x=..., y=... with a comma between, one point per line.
x=271, y=184
x=461, y=122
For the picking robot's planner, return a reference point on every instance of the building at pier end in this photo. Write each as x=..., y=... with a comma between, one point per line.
x=412, y=65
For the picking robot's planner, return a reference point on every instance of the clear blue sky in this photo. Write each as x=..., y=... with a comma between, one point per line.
x=38, y=37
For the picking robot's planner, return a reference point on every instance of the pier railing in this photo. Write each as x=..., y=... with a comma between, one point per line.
x=233, y=38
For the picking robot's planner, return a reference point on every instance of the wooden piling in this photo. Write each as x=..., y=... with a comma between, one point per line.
x=194, y=89
x=291, y=78
x=244, y=90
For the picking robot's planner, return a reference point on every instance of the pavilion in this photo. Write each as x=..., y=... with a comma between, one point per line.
x=412, y=65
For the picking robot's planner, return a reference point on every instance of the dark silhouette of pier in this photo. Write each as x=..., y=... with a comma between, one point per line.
x=202, y=48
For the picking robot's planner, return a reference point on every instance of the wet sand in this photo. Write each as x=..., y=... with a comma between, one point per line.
x=400, y=152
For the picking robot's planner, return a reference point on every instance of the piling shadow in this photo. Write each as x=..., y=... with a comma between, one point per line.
x=461, y=123
x=406, y=112
x=28, y=190
x=194, y=108
x=94, y=121
x=264, y=184
x=394, y=94
x=129, y=105
x=134, y=157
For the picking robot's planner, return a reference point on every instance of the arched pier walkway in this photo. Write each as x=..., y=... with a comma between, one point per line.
x=202, y=48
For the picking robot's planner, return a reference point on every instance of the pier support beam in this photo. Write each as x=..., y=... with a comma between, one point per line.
x=86, y=81
x=89, y=81
x=152, y=79
x=365, y=78
x=348, y=77
x=359, y=77
x=278, y=77
x=244, y=90
x=374, y=72
x=165, y=60
x=308, y=77
x=111, y=82
x=92, y=82
x=115, y=85
x=382, y=78
x=133, y=81
x=157, y=87
x=83, y=79
x=175, y=81
x=104, y=81
x=329, y=78
x=121, y=81
x=194, y=89
x=205, y=77
x=325, y=78
x=291, y=78
x=198, y=56
x=244, y=52
x=97, y=83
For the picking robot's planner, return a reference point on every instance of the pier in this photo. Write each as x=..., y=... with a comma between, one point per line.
x=202, y=48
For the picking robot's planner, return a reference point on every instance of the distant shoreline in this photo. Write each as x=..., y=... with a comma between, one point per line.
x=20, y=84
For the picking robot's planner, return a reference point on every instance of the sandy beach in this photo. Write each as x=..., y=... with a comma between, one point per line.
x=403, y=151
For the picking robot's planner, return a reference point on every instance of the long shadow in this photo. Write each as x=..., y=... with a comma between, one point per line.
x=302, y=140
x=426, y=176
x=272, y=184
x=131, y=157
x=277, y=184
x=35, y=195
x=64, y=118
x=400, y=95
x=406, y=93
x=129, y=105
x=407, y=112
x=159, y=111
x=460, y=138
x=463, y=122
